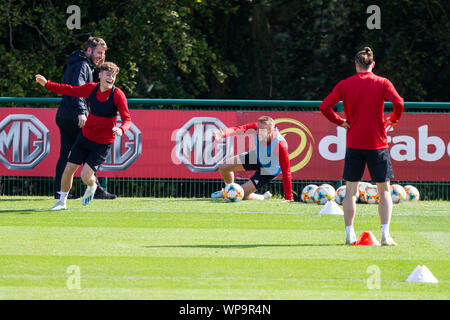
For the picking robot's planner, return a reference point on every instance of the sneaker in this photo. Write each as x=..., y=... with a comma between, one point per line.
x=267, y=195
x=217, y=194
x=386, y=240
x=350, y=239
x=59, y=206
x=88, y=195
x=104, y=195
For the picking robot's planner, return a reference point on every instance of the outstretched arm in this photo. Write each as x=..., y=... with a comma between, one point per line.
x=230, y=131
x=75, y=91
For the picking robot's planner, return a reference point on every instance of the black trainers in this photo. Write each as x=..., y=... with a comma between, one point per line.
x=102, y=194
x=69, y=197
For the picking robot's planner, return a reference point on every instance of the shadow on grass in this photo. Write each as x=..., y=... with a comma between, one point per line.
x=246, y=246
x=21, y=199
x=24, y=211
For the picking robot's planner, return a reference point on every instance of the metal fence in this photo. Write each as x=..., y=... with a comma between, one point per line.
x=138, y=187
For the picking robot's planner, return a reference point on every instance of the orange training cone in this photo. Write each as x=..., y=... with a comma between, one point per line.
x=367, y=239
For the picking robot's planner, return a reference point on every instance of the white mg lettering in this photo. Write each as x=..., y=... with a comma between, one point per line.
x=13, y=136
x=27, y=128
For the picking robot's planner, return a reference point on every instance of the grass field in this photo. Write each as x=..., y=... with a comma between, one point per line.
x=146, y=248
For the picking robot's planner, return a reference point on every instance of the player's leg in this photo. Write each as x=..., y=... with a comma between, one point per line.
x=385, y=212
x=349, y=205
x=96, y=156
x=354, y=166
x=227, y=169
x=380, y=169
x=68, y=133
x=257, y=182
x=66, y=185
x=88, y=177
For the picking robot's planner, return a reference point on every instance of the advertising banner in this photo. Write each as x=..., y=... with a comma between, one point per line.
x=180, y=144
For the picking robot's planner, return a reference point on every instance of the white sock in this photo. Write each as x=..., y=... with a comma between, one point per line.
x=63, y=197
x=349, y=230
x=259, y=196
x=385, y=228
x=90, y=188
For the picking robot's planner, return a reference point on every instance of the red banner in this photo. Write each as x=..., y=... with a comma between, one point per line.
x=179, y=144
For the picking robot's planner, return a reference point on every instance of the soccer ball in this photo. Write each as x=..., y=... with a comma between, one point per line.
x=398, y=193
x=362, y=186
x=308, y=193
x=233, y=192
x=324, y=193
x=340, y=194
x=412, y=194
x=371, y=195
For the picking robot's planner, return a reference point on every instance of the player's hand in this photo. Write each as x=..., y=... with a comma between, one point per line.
x=219, y=134
x=388, y=125
x=41, y=80
x=345, y=125
x=117, y=131
x=81, y=120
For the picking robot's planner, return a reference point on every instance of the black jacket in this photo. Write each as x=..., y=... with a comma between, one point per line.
x=79, y=70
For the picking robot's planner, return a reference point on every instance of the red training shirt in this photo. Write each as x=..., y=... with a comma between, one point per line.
x=280, y=151
x=96, y=128
x=363, y=96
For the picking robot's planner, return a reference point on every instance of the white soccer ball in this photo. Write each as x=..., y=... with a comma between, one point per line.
x=324, y=193
x=362, y=186
x=233, y=192
x=371, y=195
x=340, y=194
x=412, y=194
x=398, y=193
x=308, y=193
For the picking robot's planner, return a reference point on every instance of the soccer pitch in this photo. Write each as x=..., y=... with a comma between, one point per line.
x=148, y=248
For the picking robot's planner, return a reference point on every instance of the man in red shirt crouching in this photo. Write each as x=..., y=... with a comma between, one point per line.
x=268, y=159
x=94, y=143
x=363, y=96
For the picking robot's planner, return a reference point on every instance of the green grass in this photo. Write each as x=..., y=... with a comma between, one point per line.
x=146, y=248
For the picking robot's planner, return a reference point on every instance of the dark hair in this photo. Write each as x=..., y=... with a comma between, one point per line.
x=93, y=42
x=110, y=66
x=364, y=58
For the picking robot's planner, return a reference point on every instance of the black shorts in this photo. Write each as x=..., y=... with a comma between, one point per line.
x=378, y=162
x=250, y=162
x=90, y=152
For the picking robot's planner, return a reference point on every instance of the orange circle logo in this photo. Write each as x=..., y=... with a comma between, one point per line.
x=303, y=153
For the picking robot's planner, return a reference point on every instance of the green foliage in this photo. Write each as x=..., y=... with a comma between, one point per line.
x=239, y=49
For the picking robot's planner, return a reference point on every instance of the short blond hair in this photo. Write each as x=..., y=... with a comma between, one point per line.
x=267, y=120
x=110, y=67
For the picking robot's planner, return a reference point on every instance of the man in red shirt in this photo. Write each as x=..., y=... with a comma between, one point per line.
x=94, y=143
x=269, y=158
x=363, y=96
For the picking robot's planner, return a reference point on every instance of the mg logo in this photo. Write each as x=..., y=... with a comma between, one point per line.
x=24, y=141
x=125, y=149
x=195, y=144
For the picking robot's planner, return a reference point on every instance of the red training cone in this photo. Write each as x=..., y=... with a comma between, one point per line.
x=367, y=239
